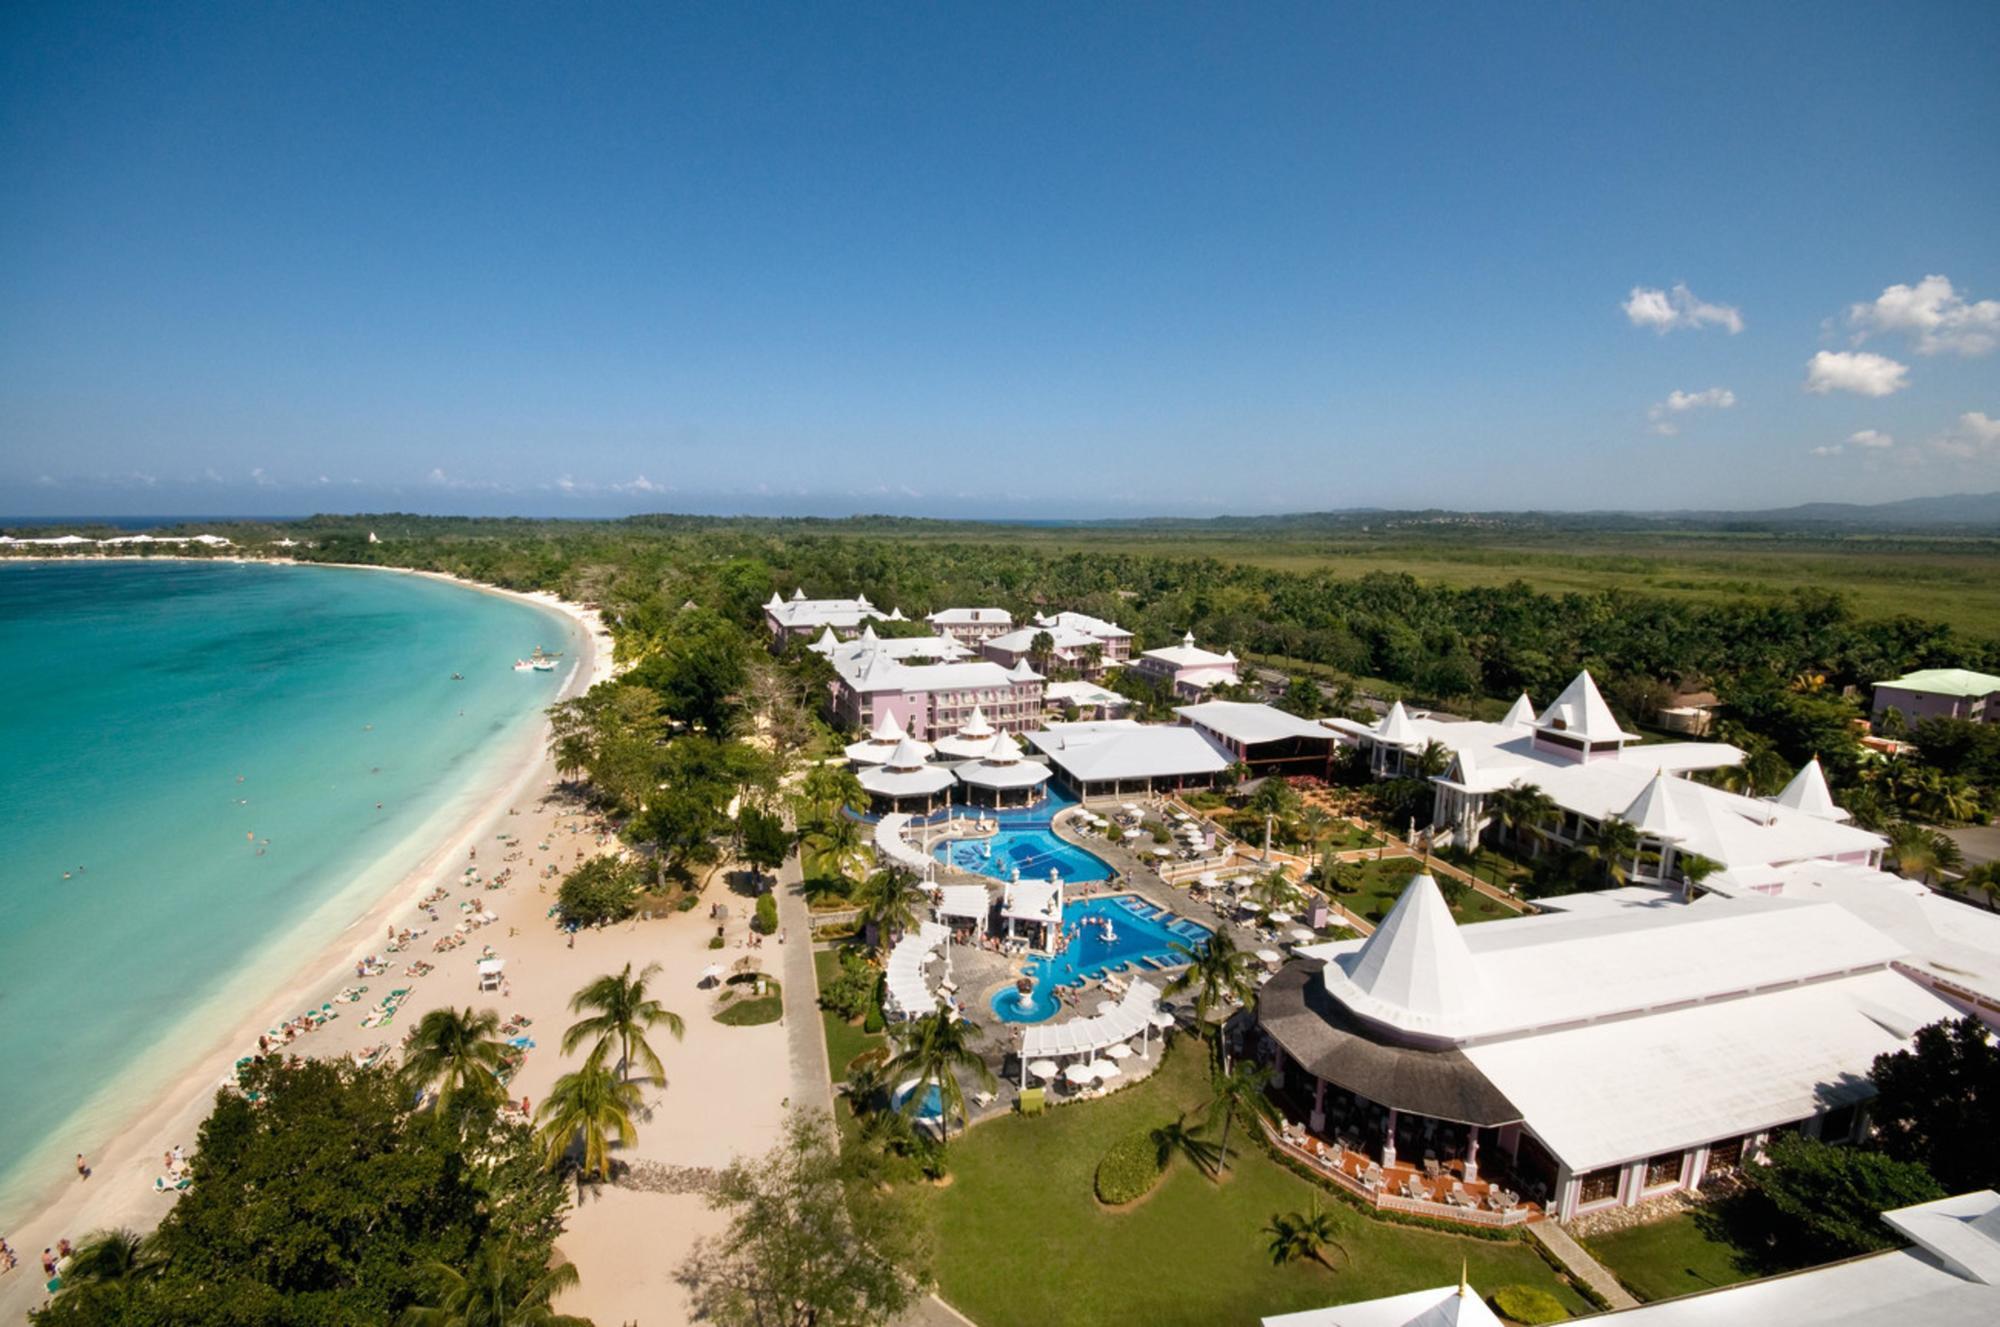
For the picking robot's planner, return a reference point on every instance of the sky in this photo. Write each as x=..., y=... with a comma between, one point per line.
x=1001, y=260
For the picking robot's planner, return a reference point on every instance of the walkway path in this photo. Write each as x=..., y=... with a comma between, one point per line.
x=1580, y=1264
x=805, y=1038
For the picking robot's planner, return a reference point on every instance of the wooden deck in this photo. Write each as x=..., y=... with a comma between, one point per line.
x=1403, y=1187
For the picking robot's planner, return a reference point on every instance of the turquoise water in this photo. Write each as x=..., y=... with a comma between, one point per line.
x=1031, y=852
x=201, y=748
x=1139, y=931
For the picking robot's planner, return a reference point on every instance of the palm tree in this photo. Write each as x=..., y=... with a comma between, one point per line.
x=1921, y=851
x=936, y=1048
x=1177, y=1139
x=1616, y=848
x=454, y=1052
x=1307, y=1234
x=1985, y=878
x=1315, y=824
x=1432, y=760
x=1521, y=808
x=624, y=1014
x=1274, y=892
x=109, y=1259
x=1219, y=974
x=891, y=902
x=592, y=1105
x=837, y=837
x=1241, y=1090
x=1695, y=868
x=1041, y=648
x=503, y=1289
x=827, y=790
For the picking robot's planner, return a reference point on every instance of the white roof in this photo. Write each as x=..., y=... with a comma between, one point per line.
x=968, y=617
x=1022, y=639
x=976, y=725
x=1084, y=622
x=1652, y=812
x=877, y=668
x=801, y=612
x=941, y=648
x=1246, y=721
x=1414, y=972
x=964, y=901
x=1189, y=655
x=1963, y=1232
x=990, y=773
x=1444, y=1306
x=904, y=776
x=1395, y=728
x=910, y=991
x=1032, y=900
x=1581, y=712
x=1520, y=715
x=1021, y=672
x=1083, y=693
x=889, y=728
x=1565, y=967
x=1808, y=793
x=1128, y=1018
x=889, y=841
x=909, y=754
x=1674, y=1078
x=1121, y=749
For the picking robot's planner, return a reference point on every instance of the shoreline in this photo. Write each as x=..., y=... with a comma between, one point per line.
x=119, y=1193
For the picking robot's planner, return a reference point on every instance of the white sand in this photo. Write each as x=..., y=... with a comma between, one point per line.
x=726, y=1085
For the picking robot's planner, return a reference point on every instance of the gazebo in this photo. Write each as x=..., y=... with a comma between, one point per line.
x=971, y=741
x=961, y=905
x=1037, y=902
x=883, y=742
x=1003, y=775
x=906, y=778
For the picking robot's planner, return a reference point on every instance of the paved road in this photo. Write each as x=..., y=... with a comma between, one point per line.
x=812, y=1085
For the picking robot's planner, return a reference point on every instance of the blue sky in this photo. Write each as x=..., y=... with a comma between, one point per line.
x=1004, y=260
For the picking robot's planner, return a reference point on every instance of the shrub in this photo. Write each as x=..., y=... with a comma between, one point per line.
x=685, y=903
x=765, y=922
x=1528, y=1305
x=851, y=992
x=603, y=889
x=1129, y=1170
x=716, y=942
x=874, y=1022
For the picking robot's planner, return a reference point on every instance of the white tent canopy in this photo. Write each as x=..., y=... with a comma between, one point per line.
x=964, y=901
x=889, y=841
x=1130, y=1017
x=910, y=992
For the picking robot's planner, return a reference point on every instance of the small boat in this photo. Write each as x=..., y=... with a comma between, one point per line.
x=458, y=677
x=522, y=666
x=545, y=664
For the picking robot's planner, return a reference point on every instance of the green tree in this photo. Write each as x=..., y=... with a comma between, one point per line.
x=500, y=1288
x=591, y=1110
x=621, y=1011
x=1303, y=698
x=1240, y=1090
x=1830, y=1199
x=935, y=1049
x=602, y=890
x=1308, y=1235
x=1616, y=848
x=105, y=1264
x=455, y=1054
x=891, y=903
x=767, y=841
x=838, y=839
x=1520, y=809
x=804, y=1248
x=1041, y=648
x=1220, y=975
x=1937, y=1104
x=1695, y=868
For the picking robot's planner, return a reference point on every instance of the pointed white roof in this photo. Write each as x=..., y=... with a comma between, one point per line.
x=896, y=615
x=1395, y=727
x=1414, y=973
x=1807, y=792
x=909, y=754
x=1652, y=813
x=976, y=726
x=1581, y=712
x=827, y=642
x=888, y=728
x=1521, y=714
x=868, y=636
x=1021, y=672
x=1004, y=751
x=775, y=602
x=799, y=594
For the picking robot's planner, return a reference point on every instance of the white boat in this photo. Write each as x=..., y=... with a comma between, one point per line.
x=543, y=665
x=522, y=665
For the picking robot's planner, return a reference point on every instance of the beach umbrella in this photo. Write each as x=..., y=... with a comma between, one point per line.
x=1106, y=1070
x=1119, y=1052
x=1250, y=906
x=1134, y=833
x=1131, y=806
x=1280, y=918
x=713, y=972
x=1080, y=1074
x=1162, y=1020
x=1304, y=936
x=1270, y=956
x=1044, y=1069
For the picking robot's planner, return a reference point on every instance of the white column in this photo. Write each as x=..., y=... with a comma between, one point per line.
x=1317, y=1120
x=1389, y=1141
x=1471, y=1153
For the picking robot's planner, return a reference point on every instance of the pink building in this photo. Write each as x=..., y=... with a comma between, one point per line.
x=971, y=626
x=931, y=700
x=1188, y=669
x=802, y=618
x=1941, y=693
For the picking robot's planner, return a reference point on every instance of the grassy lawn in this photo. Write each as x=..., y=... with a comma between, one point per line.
x=1021, y=1237
x=844, y=1040
x=1379, y=883
x=742, y=1009
x=1677, y=1256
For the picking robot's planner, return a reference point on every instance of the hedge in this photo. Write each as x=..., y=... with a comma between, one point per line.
x=1528, y=1305
x=765, y=922
x=1129, y=1170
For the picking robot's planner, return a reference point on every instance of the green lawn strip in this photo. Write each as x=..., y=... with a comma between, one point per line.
x=1379, y=884
x=1675, y=1256
x=1022, y=1238
x=844, y=1040
x=755, y=1010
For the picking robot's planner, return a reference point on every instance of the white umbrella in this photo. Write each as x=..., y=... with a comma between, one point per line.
x=1270, y=956
x=1119, y=1052
x=1249, y=906
x=1106, y=1069
x=713, y=972
x=1280, y=918
x=1304, y=936
x=1044, y=1069
x=1134, y=833
x=1080, y=1074
x=1162, y=1020
x=1131, y=806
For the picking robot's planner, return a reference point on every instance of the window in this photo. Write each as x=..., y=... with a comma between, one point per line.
x=1837, y=1125
x=1664, y=1169
x=1725, y=1156
x=1599, y=1185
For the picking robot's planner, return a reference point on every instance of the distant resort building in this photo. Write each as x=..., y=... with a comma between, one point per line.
x=1941, y=693
x=1601, y=1053
x=879, y=679
x=801, y=618
x=971, y=626
x=118, y=541
x=1188, y=670
x=1089, y=700
x=909, y=649
x=1262, y=738
x=1119, y=757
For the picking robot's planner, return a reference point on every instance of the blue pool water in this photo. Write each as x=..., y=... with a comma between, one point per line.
x=202, y=748
x=1139, y=931
x=1025, y=843
x=932, y=1106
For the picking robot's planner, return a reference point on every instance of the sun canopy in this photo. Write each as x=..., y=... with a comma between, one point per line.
x=1129, y=1018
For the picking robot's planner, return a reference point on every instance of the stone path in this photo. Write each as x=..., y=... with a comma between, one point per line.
x=805, y=1038
x=1580, y=1264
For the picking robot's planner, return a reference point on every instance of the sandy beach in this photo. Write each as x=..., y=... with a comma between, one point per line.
x=727, y=1086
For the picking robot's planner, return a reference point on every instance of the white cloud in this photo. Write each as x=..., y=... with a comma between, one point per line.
x=1935, y=317
x=1858, y=371
x=1974, y=437
x=1828, y=449
x=1678, y=403
x=1874, y=438
x=1666, y=310
x=262, y=480
x=640, y=484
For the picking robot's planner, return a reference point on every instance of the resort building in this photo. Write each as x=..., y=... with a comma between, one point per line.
x=801, y=618
x=1445, y=1306
x=1087, y=699
x=1003, y=776
x=907, y=781
x=1187, y=669
x=971, y=626
x=1117, y=641
x=929, y=700
x=1593, y=770
x=1588, y=1057
x=1265, y=739
x=1118, y=757
x=907, y=649
x=1941, y=693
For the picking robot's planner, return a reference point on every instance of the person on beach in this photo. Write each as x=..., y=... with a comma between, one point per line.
x=82, y=1167
x=48, y=1263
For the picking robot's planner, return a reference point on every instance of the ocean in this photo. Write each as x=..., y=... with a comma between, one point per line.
x=210, y=770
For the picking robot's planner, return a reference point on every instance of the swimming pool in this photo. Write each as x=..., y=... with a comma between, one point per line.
x=930, y=1108
x=1025, y=843
x=1139, y=931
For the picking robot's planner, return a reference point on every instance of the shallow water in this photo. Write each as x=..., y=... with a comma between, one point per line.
x=195, y=753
